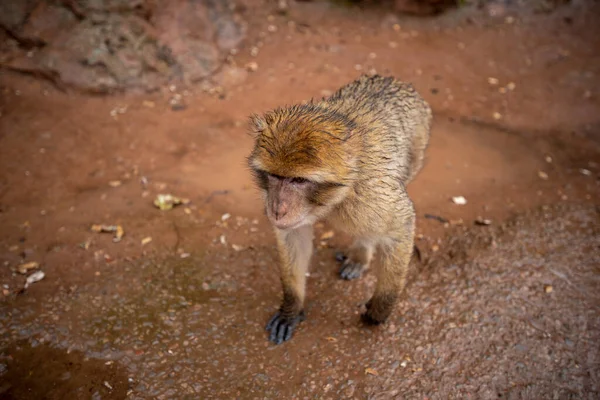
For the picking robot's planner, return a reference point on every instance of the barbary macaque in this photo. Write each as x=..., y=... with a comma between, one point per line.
x=346, y=159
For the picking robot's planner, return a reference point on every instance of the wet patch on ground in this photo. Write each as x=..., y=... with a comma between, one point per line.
x=34, y=370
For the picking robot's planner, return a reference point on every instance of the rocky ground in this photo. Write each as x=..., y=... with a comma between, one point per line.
x=176, y=307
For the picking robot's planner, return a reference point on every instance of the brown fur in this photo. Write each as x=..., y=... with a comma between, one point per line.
x=347, y=158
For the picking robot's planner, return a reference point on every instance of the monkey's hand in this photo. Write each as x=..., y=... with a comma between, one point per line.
x=282, y=326
x=349, y=269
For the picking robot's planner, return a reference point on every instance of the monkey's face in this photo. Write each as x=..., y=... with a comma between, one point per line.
x=287, y=200
x=301, y=165
x=291, y=202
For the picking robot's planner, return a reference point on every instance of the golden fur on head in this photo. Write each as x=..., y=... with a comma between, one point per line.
x=300, y=142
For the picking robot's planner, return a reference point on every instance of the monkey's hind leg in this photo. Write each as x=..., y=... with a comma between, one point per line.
x=295, y=250
x=420, y=141
x=356, y=260
x=391, y=278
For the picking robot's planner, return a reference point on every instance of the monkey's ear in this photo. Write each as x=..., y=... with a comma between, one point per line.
x=257, y=124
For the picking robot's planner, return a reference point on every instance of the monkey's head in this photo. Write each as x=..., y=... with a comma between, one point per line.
x=302, y=162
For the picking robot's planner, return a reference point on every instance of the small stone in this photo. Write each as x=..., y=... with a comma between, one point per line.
x=548, y=288
x=493, y=81
x=482, y=221
x=497, y=115
x=460, y=200
x=225, y=217
x=272, y=28
x=252, y=66
x=543, y=175
x=511, y=86
x=585, y=172
x=548, y=159
x=237, y=247
x=146, y=240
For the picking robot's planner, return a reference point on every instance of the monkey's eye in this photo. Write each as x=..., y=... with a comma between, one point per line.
x=299, y=180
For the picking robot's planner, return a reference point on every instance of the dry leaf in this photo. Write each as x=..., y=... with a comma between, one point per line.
x=24, y=268
x=331, y=339
x=119, y=232
x=327, y=235
x=168, y=201
x=116, y=229
x=371, y=371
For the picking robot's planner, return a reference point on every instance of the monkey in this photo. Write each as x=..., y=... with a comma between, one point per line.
x=346, y=159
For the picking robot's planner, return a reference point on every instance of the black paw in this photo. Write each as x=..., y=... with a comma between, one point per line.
x=367, y=319
x=282, y=327
x=350, y=270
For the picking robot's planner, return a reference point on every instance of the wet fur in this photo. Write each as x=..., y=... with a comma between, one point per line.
x=359, y=148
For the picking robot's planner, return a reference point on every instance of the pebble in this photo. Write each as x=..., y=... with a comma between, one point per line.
x=252, y=66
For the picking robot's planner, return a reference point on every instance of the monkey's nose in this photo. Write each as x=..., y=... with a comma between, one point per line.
x=281, y=211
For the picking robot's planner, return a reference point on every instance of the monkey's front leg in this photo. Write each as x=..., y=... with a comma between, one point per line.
x=295, y=251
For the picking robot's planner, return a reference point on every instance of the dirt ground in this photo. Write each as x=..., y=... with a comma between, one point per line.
x=510, y=310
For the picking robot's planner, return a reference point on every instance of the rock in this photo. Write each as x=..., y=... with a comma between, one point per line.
x=108, y=45
x=46, y=22
x=14, y=13
x=190, y=30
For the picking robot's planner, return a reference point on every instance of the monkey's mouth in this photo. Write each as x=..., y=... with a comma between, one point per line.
x=288, y=225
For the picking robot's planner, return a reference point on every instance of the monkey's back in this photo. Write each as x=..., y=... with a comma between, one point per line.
x=392, y=119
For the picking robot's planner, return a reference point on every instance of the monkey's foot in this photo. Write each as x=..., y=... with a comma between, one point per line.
x=282, y=327
x=349, y=270
x=378, y=309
